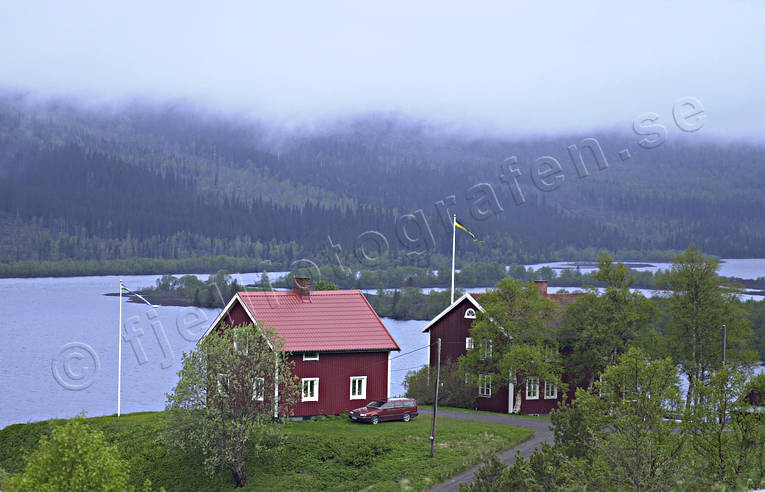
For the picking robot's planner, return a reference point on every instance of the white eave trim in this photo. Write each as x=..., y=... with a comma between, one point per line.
x=226, y=310
x=450, y=307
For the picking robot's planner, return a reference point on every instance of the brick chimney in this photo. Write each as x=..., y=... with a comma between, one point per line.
x=542, y=286
x=302, y=287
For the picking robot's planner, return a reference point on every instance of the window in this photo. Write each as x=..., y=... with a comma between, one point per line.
x=470, y=313
x=551, y=352
x=358, y=387
x=532, y=389
x=468, y=343
x=258, y=389
x=551, y=390
x=310, y=389
x=223, y=383
x=486, y=349
x=311, y=356
x=241, y=346
x=468, y=378
x=484, y=385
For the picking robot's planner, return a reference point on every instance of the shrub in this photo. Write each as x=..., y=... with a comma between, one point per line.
x=453, y=391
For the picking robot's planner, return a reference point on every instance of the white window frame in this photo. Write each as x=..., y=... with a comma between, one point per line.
x=532, y=382
x=468, y=343
x=246, y=350
x=361, y=393
x=486, y=349
x=484, y=385
x=314, y=383
x=468, y=378
x=258, y=389
x=551, y=395
x=470, y=313
x=221, y=378
x=310, y=356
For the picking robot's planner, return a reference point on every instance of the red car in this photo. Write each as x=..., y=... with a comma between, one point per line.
x=386, y=409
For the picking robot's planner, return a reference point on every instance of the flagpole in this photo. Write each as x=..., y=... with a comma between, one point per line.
x=119, y=344
x=454, y=244
x=119, y=357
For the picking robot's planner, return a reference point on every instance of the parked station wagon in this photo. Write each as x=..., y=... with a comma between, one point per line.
x=386, y=409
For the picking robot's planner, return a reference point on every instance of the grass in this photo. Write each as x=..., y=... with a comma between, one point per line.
x=330, y=453
x=478, y=412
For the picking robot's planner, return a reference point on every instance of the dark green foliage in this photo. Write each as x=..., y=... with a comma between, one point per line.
x=221, y=408
x=514, y=338
x=597, y=328
x=409, y=303
x=216, y=291
x=488, y=478
x=169, y=183
x=455, y=390
x=73, y=457
x=699, y=306
x=754, y=393
x=324, y=285
x=323, y=454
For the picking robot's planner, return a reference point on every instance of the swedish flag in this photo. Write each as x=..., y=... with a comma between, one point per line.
x=457, y=224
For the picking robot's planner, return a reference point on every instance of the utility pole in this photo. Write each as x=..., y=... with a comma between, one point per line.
x=435, y=401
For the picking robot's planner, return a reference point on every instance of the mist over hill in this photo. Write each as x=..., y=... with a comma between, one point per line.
x=173, y=182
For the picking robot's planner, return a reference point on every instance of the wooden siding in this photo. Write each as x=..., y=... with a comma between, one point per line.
x=334, y=371
x=452, y=329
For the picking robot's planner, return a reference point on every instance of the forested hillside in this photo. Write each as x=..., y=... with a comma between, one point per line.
x=172, y=182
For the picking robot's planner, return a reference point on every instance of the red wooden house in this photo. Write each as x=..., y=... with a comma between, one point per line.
x=338, y=345
x=452, y=326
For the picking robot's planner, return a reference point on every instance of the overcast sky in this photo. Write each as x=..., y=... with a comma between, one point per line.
x=500, y=66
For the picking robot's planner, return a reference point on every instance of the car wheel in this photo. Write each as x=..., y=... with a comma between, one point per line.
x=407, y=417
x=375, y=420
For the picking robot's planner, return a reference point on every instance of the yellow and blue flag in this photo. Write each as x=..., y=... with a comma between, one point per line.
x=457, y=224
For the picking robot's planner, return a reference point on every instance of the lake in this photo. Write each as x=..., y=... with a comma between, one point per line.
x=58, y=354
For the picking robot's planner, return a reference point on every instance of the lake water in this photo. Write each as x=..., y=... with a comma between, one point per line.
x=58, y=354
x=746, y=268
x=58, y=351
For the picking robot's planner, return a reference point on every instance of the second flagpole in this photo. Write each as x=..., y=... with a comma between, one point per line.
x=454, y=243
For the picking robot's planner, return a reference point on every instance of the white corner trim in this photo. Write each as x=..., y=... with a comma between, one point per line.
x=450, y=307
x=226, y=310
x=220, y=316
x=389, y=352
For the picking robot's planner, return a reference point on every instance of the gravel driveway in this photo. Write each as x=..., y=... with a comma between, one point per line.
x=541, y=428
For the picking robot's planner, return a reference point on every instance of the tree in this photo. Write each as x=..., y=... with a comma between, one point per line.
x=324, y=285
x=698, y=307
x=597, y=329
x=728, y=439
x=456, y=390
x=630, y=440
x=231, y=390
x=513, y=339
x=74, y=457
x=613, y=436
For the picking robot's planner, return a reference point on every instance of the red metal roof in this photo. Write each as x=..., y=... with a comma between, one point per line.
x=331, y=320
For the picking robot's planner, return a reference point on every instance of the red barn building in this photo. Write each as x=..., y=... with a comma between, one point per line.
x=452, y=326
x=338, y=345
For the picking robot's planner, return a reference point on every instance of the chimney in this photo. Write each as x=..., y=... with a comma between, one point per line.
x=542, y=286
x=302, y=287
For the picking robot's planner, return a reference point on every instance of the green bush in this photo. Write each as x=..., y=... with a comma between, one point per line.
x=454, y=392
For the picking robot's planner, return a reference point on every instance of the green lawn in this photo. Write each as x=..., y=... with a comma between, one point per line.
x=323, y=454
